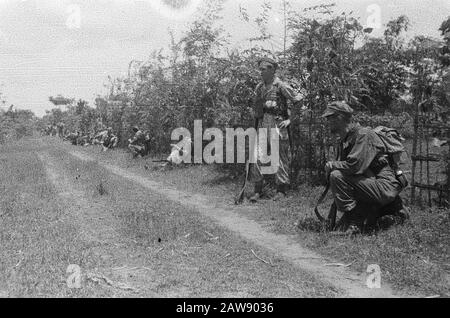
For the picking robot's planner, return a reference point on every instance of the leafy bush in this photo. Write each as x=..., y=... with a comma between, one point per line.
x=16, y=124
x=200, y=78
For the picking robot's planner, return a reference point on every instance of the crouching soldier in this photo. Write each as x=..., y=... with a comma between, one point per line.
x=109, y=140
x=364, y=184
x=137, y=144
x=98, y=138
x=73, y=137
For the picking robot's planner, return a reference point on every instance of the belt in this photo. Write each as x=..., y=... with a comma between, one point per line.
x=273, y=111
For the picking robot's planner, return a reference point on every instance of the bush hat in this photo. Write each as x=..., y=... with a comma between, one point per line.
x=340, y=107
x=268, y=60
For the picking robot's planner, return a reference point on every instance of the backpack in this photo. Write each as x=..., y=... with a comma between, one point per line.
x=393, y=142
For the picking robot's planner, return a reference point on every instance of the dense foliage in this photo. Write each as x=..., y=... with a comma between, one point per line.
x=15, y=124
x=325, y=56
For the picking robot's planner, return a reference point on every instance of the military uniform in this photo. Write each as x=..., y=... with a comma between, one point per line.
x=73, y=138
x=100, y=137
x=60, y=130
x=360, y=175
x=137, y=143
x=362, y=179
x=110, y=140
x=270, y=109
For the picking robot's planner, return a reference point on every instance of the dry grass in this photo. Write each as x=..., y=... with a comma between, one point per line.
x=186, y=256
x=37, y=245
x=203, y=260
x=413, y=257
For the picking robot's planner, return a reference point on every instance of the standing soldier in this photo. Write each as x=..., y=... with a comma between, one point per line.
x=60, y=130
x=271, y=110
x=73, y=137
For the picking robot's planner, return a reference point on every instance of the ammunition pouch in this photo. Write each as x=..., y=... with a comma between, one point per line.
x=402, y=179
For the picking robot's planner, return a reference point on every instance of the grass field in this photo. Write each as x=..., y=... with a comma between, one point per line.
x=124, y=233
x=41, y=235
x=414, y=257
x=36, y=245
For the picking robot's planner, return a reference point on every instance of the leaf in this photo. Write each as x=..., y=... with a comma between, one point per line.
x=368, y=30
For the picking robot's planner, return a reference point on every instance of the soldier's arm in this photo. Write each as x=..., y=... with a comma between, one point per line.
x=133, y=140
x=137, y=137
x=291, y=94
x=361, y=156
x=296, y=98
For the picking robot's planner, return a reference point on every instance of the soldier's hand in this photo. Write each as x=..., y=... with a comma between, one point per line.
x=285, y=124
x=328, y=168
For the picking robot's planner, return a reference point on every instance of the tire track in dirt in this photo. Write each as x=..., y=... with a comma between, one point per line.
x=99, y=231
x=283, y=245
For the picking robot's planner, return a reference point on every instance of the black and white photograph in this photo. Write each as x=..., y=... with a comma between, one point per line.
x=224, y=155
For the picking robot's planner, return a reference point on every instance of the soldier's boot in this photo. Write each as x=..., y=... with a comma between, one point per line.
x=258, y=191
x=385, y=222
x=402, y=212
x=347, y=225
x=281, y=192
x=355, y=221
x=393, y=213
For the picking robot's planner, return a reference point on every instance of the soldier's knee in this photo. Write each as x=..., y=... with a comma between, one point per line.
x=336, y=175
x=389, y=197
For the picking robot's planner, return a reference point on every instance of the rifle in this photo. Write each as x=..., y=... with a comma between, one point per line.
x=330, y=221
x=291, y=146
x=240, y=196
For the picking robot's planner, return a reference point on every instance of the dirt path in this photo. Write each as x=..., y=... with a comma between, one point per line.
x=99, y=230
x=137, y=243
x=282, y=245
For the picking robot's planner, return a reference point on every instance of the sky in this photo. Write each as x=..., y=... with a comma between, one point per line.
x=69, y=47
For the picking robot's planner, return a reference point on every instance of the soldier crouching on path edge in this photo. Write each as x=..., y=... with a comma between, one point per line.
x=109, y=140
x=271, y=110
x=364, y=185
x=137, y=144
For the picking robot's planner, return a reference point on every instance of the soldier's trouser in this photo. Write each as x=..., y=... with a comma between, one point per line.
x=348, y=190
x=111, y=143
x=136, y=149
x=281, y=176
